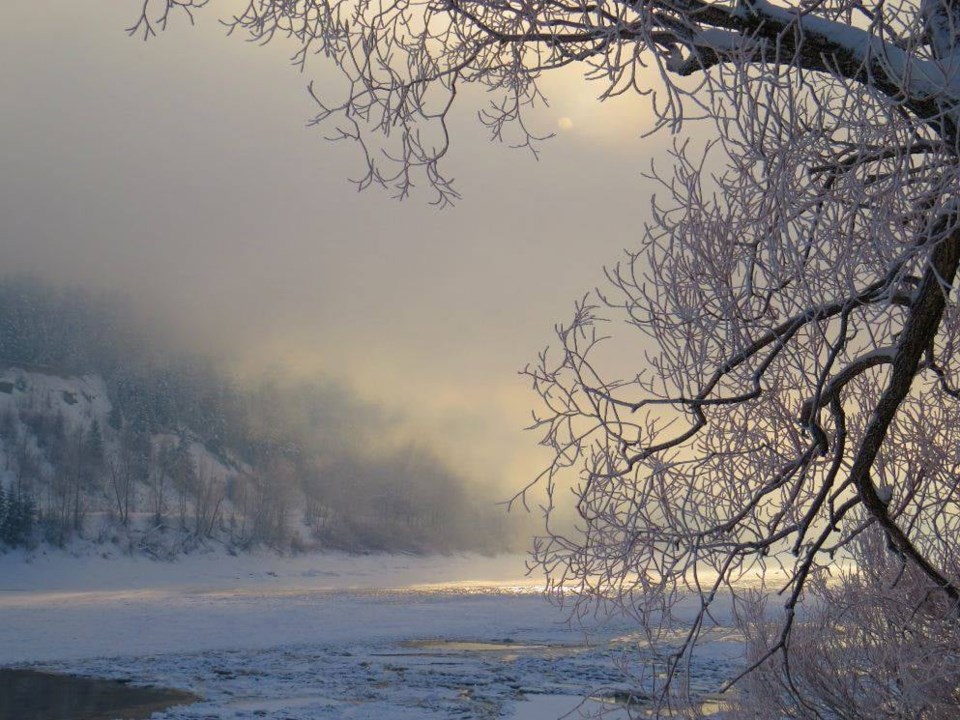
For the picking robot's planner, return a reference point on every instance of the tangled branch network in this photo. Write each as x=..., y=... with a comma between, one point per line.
x=796, y=278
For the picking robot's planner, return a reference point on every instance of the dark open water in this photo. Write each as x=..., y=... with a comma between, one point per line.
x=34, y=695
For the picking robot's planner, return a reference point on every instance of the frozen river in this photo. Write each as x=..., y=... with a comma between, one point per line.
x=320, y=636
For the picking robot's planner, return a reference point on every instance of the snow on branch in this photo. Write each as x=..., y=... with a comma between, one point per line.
x=794, y=288
x=405, y=61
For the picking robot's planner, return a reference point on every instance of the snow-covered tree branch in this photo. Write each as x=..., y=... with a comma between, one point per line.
x=796, y=278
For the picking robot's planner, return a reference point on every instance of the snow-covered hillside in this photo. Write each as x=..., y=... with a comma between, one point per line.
x=92, y=478
x=80, y=400
x=163, y=462
x=113, y=433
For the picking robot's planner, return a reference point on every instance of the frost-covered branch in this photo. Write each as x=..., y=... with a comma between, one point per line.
x=405, y=61
x=800, y=310
x=794, y=287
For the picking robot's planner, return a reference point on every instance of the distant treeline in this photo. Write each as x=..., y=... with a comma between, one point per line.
x=297, y=463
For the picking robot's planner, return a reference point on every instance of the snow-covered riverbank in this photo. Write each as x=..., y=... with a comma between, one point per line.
x=318, y=636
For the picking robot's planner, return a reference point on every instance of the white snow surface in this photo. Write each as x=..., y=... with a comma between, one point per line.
x=322, y=636
x=79, y=399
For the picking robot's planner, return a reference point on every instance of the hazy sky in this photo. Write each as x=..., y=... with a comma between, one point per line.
x=181, y=172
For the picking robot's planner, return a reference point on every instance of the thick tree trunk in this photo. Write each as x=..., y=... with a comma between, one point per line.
x=918, y=334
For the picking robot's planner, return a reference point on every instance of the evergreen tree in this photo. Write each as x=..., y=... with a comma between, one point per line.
x=93, y=445
x=17, y=519
x=26, y=520
x=3, y=514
